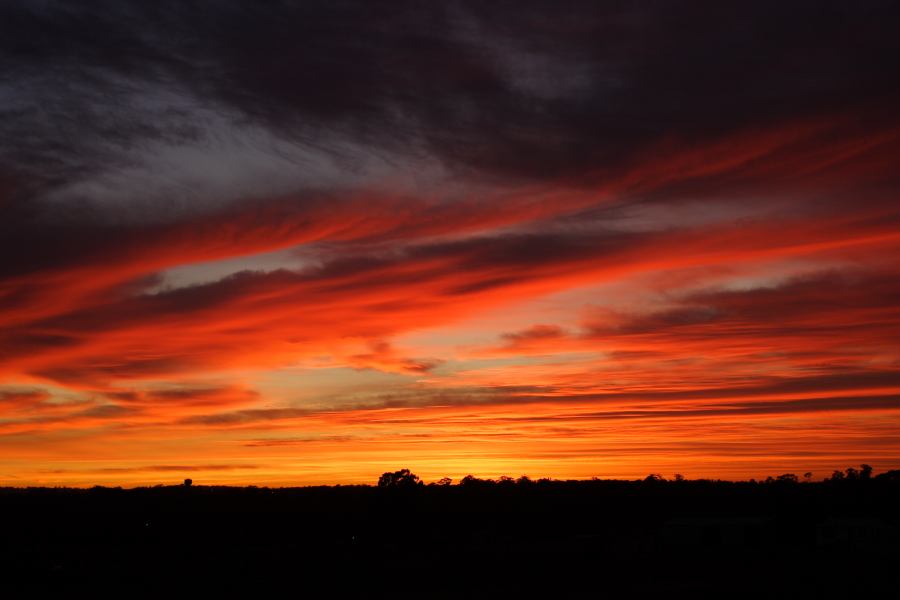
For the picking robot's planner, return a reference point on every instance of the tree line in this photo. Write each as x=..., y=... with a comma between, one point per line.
x=404, y=478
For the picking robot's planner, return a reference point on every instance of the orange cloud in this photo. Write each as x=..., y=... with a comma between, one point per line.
x=704, y=355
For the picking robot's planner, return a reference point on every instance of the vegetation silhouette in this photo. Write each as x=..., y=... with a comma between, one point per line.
x=399, y=479
x=785, y=536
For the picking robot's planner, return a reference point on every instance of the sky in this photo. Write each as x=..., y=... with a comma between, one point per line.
x=299, y=243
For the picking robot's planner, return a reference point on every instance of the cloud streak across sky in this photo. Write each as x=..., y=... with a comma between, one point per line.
x=308, y=242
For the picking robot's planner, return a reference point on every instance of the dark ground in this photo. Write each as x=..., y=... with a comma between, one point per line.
x=554, y=539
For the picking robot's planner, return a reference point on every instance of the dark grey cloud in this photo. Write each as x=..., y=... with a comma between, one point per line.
x=117, y=115
x=524, y=89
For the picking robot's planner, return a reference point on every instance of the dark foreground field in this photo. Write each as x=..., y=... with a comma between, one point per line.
x=612, y=539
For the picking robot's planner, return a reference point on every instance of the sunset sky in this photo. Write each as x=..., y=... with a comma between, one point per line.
x=309, y=242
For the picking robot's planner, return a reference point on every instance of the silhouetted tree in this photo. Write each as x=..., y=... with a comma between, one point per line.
x=188, y=482
x=679, y=477
x=851, y=473
x=788, y=478
x=807, y=477
x=471, y=481
x=865, y=471
x=399, y=479
x=443, y=481
x=837, y=476
x=654, y=477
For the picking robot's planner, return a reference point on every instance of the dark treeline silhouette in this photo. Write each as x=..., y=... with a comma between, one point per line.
x=406, y=478
x=785, y=536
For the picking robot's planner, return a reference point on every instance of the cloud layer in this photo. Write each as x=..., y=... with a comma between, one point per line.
x=488, y=238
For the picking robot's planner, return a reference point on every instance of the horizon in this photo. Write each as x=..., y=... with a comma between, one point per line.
x=847, y=475
x=302, y=244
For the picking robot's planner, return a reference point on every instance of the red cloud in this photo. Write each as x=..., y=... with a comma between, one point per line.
x=85, y=309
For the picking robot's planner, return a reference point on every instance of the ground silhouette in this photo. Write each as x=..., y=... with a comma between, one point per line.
x=785, y=536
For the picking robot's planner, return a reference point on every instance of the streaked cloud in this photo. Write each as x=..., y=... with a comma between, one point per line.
x=601, y=241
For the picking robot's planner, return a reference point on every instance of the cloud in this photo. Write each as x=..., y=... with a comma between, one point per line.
x=270, y=319
x=14, y=401
x=824, y=319
x=50, y=415
x=177, y=398
x=850, y=392
x=465, y=88
x=384, y=358
x=821, y=315
x=536, y=333
x=134, y=113
x=239, y=216
x=157, y=469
